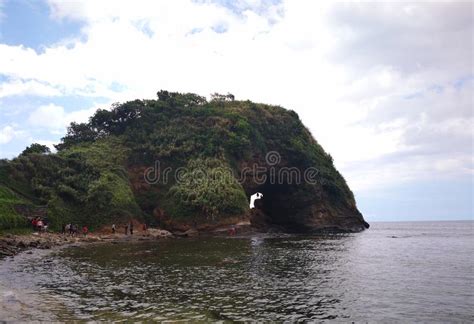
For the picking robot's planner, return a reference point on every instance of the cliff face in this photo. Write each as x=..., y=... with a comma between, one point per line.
x=303, y=199
x=183, y=161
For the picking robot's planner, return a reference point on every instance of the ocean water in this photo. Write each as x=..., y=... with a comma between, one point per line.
x=393, y=272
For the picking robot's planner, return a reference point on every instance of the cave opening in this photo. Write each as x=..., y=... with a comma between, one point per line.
x=280, y=205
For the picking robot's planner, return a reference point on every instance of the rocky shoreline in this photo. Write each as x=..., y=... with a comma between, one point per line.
x=11, y=245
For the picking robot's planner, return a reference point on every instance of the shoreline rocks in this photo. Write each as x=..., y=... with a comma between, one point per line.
x=11, y=245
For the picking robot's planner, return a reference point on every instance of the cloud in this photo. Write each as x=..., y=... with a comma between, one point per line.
x=27, y=88
x=49, y=116
x=412, y=37
x=434, y=138
x=48, y=143
x=55, y=119
x=8, y=133
x=365, y=79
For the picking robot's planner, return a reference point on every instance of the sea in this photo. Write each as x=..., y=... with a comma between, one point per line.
x=393, y=272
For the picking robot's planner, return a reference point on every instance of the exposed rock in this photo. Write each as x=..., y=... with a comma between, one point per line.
x=189, y=233
x=157, y=233
x=264, y=148
x=45, y=245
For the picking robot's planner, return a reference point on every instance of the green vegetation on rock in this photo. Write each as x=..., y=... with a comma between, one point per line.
x=9, y=217
x=97, y=175
x=207, y=188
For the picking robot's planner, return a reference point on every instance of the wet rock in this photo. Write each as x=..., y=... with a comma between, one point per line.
x=158, y=233
x=22, y=244
x=188, y=233
x=45, y=246
x=7, y=249
x=5, y=253
x=35, y=243
x=191, y=232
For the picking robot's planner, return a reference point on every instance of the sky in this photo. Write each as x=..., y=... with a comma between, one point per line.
x=386, y=88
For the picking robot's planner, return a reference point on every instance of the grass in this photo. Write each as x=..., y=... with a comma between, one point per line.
x=9, y=218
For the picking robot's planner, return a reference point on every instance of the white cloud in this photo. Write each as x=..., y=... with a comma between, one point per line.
x=416, y=38
x=8, y=133
x=48, y=143
x=49, y=116
x=430, y=131
x=55, y=119
x=345, y=68
x=24, y=88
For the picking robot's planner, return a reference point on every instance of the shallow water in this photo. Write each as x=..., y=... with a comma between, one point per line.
x=391, y=272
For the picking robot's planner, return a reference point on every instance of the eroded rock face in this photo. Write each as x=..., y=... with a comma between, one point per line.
x=303, y=207
x=294, y=214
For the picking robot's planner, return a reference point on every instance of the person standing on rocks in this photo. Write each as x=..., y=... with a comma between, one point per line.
x=74, y=229
x=113, y=228
x=34, y=222
x=39, y=225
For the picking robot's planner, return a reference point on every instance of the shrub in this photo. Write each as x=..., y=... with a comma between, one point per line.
x=207, y=187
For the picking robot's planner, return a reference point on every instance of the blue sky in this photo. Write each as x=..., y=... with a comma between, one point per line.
x=28, y=23
x=386, y=88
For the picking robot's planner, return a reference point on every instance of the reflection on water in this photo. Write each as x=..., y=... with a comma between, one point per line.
x=389, y=272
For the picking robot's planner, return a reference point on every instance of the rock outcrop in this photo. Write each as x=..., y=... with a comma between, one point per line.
x=182, y=162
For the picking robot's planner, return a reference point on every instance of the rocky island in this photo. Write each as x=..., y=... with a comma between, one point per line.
x=181, y=162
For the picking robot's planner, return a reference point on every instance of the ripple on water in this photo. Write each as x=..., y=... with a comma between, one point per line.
x=290, y=278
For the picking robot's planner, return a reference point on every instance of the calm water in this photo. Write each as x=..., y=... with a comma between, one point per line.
x=392, y=272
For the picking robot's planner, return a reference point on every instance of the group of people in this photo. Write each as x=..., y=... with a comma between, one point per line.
x=73, y=229
x=39, y=224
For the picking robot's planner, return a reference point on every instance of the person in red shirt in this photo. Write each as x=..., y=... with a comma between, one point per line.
x=85, y=230
x=39, y=225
